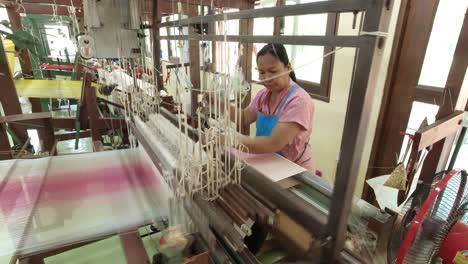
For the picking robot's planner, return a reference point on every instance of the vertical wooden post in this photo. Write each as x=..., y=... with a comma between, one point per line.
x=194, y=50
x=212, y=31
x=133, y=247
x=91, y=107
x=169, y=47
x=279, y=21
x=5, y=147
x=23, y=55
x=84, y=106
x=361, y=97
x=8, y=95
x=32, y=260
x=48, y=135
x=157, y=45
x=27, y=69
x=246, y=28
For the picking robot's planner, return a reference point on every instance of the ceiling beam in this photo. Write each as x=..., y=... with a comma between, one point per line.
x=56, y=2
x=170, y=6
x=47, y=9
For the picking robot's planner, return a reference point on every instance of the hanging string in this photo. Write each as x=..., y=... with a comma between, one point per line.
x=54, y=10
x=72, y=12
x=20, y=6
x=202, y=167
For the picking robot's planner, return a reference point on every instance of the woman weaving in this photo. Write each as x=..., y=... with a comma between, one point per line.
x=283, y=111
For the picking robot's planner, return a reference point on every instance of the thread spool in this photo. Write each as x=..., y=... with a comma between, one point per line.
x=86, y=44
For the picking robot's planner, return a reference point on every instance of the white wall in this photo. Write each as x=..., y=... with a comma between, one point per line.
x=4, y=16
x=380, y=79
x=329, y=118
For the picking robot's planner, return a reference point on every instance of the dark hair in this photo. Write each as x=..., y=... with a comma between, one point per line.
x=279, y=52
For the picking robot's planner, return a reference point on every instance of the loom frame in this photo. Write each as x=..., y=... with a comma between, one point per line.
x=359, y=102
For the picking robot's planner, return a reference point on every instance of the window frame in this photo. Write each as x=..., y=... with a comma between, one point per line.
x=322, y=91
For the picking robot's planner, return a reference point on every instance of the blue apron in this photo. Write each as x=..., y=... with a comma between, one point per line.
x=266, y=123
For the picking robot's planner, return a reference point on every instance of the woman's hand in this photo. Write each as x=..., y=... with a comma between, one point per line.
x=283, y=133
x=206, y=137
x=246, y=116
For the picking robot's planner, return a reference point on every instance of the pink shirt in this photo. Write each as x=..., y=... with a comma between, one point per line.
x=298, y=108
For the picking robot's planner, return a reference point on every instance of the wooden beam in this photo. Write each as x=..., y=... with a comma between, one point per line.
x=133, y=247
x=439, y=130
x=98, y=146
x=8, y=94
x=90, y=113
x=331, y=41
x=170, y=6
x=455, y=99
x=212, y=31
x=167, y=8
x=66, y=248
x=362, y=94
x=5, y=147
x=194, y=51
x=412, y=33
x=47, y=9
x=76, y=3
x=32, y=260
x=319, y=7
x=157, y=43
x=246, y=28
x=278, y=26
x=72, y=135
x=24, y=117
x=65, y=123
x=328, y=62
x=216, y=3
x=429, y=95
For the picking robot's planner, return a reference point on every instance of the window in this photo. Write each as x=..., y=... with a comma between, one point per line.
x=312, y=71
x=442, y=43
x=307, y=68
x=419, y=112
x=169, y=47
x=462, y=157
x=60, y=43
x=227, y=50
x=4, y=18
x=262, y=27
